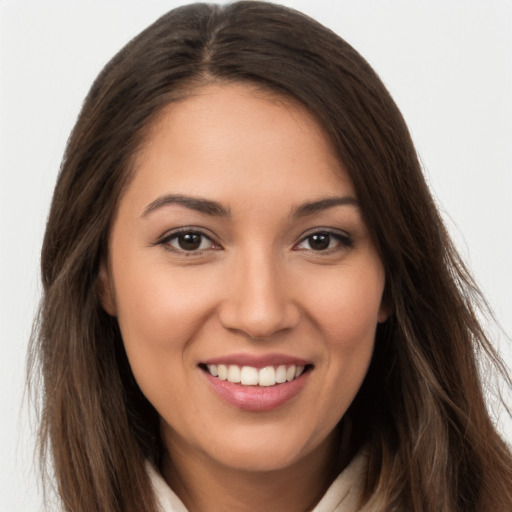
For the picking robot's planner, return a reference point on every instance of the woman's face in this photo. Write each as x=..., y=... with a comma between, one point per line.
x=239, y=252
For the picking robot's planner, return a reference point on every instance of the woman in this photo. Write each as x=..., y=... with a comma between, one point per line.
x=250, y=297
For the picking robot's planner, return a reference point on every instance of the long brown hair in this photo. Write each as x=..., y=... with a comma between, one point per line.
x=421, y=410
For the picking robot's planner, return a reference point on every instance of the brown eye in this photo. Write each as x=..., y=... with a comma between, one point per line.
x=319, y=242
x=324, y=241
x=189, y=242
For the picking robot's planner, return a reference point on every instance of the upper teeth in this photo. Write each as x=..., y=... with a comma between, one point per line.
x=250, y=376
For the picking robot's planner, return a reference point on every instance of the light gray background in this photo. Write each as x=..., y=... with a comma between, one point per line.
x=448, y=64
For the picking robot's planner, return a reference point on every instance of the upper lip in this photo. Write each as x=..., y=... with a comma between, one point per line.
x=257, y=361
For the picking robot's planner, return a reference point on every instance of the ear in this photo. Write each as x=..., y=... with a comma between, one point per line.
x=383, y=314
x=386, y=308
x=106, y=290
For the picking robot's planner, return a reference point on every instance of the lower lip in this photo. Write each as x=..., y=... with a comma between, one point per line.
x=256, y=398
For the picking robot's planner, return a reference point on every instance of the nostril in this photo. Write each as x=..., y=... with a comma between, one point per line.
x=257, y=305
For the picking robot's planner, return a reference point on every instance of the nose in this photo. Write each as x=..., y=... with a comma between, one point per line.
x=259, y=301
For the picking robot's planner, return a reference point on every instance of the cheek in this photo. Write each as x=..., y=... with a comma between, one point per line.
x=160, y=303
x=347, y=305
x=346, y=312
x=159, y=312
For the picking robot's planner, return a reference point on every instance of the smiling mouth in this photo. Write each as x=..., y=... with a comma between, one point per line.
x=250, y=376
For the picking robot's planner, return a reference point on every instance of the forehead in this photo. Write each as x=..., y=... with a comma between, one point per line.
x=225, y=138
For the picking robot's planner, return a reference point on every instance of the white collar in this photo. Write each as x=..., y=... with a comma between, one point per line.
x=342, y=496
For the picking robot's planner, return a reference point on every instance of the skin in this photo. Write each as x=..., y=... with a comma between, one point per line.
x=256, y=286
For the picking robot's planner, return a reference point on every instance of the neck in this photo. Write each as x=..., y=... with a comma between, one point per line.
x=200, y=481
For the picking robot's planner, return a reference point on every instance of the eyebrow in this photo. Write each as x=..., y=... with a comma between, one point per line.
x=215, y=209
x=199, y=204
x=313, y=207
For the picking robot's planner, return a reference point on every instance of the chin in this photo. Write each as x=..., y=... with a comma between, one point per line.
x=269, y=450
x=253, y=460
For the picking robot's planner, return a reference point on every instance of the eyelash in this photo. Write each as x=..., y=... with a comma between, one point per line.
x=343, y=240
x=165, y=241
